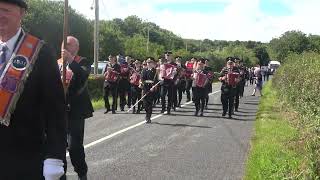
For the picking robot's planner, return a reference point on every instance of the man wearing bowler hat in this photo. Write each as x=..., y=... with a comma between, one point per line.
x=32, y=103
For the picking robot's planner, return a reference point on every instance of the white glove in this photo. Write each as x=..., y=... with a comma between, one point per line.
x=53, y=169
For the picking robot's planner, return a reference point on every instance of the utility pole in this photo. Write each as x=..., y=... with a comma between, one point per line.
x=96, y=37
x=186, y=46
x=148, y=40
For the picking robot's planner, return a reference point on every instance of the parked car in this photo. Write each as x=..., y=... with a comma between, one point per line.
x=101, y=66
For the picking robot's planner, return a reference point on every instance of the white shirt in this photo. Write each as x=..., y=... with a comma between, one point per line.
x=10, y=44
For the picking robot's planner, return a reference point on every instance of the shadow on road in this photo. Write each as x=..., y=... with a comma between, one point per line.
x=179, y=125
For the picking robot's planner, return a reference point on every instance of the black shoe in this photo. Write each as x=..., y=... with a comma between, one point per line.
x=122, y=109
x=148, y=120
x=138, y=112
x=174, y=108
x=168, y=112
x=230, y=117
x=236, y=110
x=113, y=112
x=201, y=114
x=106, y=111
x=196, y=113
x=224, y=114
x=162, y=111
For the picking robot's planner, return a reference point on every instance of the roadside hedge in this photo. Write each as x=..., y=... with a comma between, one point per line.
x=298, y=85
x=95, y=85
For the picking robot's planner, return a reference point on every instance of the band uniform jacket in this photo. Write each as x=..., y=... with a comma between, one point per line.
x=116, y=67
x=37, y=128
x=78, y=97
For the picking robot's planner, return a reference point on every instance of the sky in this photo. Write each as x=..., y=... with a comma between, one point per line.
x=256, y=20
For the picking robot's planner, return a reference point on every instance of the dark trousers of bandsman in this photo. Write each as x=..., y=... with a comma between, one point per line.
x=199, y=99
x=123, y=90
x=110, y=89
x=208, y=90
x=237, y=97
x=136, y=93
x=181, y=89
x=174, y=96
x=167, y=90
x=188, y=87
x=148, y=102
x=227, y=100
x=157, y=96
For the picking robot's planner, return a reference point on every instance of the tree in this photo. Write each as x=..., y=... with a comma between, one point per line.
x=262, y=54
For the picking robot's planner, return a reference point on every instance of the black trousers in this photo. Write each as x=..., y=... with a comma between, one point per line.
x=110, y=88
x=136, y=95
x=199, y=98
x=167, y=90
x=148, y=102
x=188, y=87
x=75, y=142
x=227, y=100
x=181, y=88
x=237, y=96
x=124, y=89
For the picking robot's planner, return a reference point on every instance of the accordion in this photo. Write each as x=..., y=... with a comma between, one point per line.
x=111, y=76
x=167, y=71
x=135, y=79
x=124, y=69
x=189, y=70
x=232, y=78
x=200, y=79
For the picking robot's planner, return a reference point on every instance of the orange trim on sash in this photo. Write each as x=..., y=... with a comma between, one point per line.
x=28, y=49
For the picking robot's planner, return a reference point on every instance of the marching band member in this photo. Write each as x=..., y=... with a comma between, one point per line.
x=124, y=84
x=181, y=79
x=210, y=80
x=238, y=86
x=111, y=74
x=149, y=76
x=167, y=75
x=200, y=79
x=229, y=79
x=135, y=89
x=32, y=110
x=189, y=70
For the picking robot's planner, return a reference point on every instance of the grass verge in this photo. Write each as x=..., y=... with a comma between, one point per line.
x=97, y=103
x=275, y=151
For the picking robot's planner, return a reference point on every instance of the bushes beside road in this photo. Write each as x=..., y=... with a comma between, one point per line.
x=286, y=144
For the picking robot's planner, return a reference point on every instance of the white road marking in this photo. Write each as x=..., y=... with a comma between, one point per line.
x=131, y=127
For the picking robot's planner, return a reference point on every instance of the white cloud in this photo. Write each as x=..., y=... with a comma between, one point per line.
x=240, y=20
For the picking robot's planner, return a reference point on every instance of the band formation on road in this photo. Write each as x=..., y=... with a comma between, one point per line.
x=41, y=117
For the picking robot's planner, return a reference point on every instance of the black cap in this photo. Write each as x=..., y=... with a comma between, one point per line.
x=229, y=59
x=236, y=59
x=202, y=60
x=20, y=3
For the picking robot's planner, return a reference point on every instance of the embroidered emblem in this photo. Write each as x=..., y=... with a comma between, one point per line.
x=20, y=62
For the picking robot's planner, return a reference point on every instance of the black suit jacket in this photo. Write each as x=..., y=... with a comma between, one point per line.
x=78, y=95
x=38, y=128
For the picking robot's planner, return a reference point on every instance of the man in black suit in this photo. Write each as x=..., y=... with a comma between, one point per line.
x=33, y=136
x=79, y=104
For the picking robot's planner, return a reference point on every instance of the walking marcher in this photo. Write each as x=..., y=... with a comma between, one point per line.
x=111, y=74
x=32, y=110
x=210, y=76
x=78, y=102
x=124, y=84
x=229, y=78
x=258, y=81
x=148, y=81
x=136, y=91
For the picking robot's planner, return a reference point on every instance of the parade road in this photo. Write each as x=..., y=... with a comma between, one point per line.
x=177, y=146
